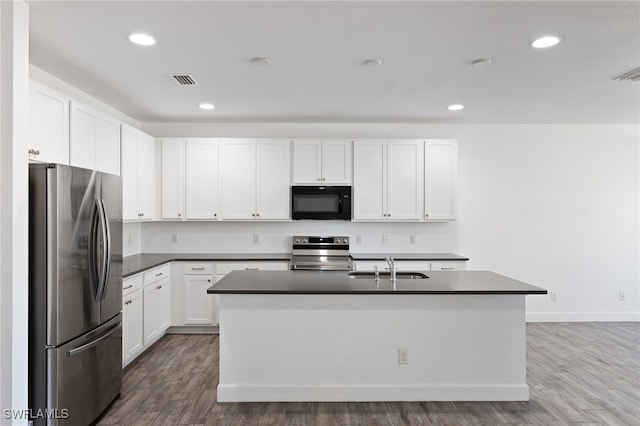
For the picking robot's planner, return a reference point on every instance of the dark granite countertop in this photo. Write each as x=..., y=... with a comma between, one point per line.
x=335, y=282
x=408, y=256
x=139, y=262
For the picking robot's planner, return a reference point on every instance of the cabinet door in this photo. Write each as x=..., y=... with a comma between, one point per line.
x=441, y=179
x=49, y=124
x=198, y=305
x=132, y=337
x=146, y=176
x=172, y=174
x=336, y=162
x=108, y=145
x=202, y=179
x=307, y=162
x=238, y=179
x=164, y=305
x=129, y=164
x=369, y=180
x=151, y=314
x=84, y=130
x=404, y=180
x=273, y=180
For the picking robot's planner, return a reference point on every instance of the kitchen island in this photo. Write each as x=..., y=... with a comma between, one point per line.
x=326, y=336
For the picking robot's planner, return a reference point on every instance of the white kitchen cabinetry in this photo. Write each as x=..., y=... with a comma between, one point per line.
x=94, y=139
x=202, y=179
x=440, y=179
x=48, y=124
x=388, y=180
x=322, y=162
x=157, y=309
x=255, y=179
x=198, y=305
x=411, y=265
x=138, y=174
x=173, y=182
x=132, y=318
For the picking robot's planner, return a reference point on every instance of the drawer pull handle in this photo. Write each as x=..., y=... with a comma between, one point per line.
x=159, y=287
x=127, y=302
x=158, y=274
x=448, y=268
x=129, y=286
x=251, y=269
x=197, y=269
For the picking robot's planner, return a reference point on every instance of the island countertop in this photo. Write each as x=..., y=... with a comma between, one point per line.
x=339, y=282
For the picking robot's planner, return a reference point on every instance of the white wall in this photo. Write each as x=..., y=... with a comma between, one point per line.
x=553, y=205
x=131, y=239
x=14, y=89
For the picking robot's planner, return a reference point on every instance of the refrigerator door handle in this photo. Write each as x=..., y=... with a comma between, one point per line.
x=95, y=277
x=94, y=342
x=106, y=258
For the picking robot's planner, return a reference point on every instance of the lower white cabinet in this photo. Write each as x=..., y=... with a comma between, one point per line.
x=411, y=265
x=132, y=318
x=146, y=300
x=198, y=305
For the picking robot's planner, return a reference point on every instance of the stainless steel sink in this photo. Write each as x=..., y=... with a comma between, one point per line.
x=367, y=275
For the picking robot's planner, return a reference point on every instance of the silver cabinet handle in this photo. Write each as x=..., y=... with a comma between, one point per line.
x=127, y=287
x=159, y=287
x=127, y=302
x=319, y=179
x=449, y=268
x=197, y=269
x=426, y=215
x=251, y=269
x=158, y=274
x=215, y=215
x=179, y=214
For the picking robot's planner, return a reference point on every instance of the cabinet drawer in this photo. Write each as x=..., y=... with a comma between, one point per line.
x=198, y=268
x=408, y=266
x=156, y=274
x=225, y=268
x=131, y=284
x=448, y=266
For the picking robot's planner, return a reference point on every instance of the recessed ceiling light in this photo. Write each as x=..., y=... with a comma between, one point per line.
x=372, y=62
x=206, y=106
x=142, y=39
x=261, y=61
x=546, y=41
x=455, y=107
x=481, y=62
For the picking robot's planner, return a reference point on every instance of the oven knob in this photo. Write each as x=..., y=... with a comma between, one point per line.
x=304, y=241
x=297, y=240
x=345, y=241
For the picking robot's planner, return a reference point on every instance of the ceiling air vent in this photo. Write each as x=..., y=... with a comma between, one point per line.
x=633, y=75
x=185, y=80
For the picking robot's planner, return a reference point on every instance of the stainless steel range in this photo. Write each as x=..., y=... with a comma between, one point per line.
x=320, y=253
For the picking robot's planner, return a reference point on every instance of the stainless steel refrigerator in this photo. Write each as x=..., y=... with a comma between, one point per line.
x=75, y=293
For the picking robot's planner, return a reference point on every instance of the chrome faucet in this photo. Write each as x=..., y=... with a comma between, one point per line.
x=392, y=269
x=375, y=270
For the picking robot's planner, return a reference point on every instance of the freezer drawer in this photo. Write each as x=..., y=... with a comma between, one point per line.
x=85, y=375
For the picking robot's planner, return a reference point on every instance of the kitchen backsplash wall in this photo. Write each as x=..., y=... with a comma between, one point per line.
x=275, y=237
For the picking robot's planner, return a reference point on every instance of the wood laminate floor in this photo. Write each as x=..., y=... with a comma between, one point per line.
x=587, y=373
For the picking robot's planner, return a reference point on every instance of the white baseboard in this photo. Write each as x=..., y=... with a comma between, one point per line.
x=194, y=329
x=328, y=393
x=583, y=316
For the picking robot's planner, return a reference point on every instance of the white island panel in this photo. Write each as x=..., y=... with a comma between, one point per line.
x=336, y=347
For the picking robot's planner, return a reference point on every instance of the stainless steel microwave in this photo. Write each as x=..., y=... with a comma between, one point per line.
x=321, y=202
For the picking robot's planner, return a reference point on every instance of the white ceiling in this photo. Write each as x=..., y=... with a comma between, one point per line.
x=317, y=50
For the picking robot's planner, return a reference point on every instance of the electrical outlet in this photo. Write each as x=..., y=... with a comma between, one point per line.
x=174, y=238
x=623, y=297
x=403, y=356
x=256, y=238
x=385, y=239
x=553, y=295
x=412, y=239
x=358, y=239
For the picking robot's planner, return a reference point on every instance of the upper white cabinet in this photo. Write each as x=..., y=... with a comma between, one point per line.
x=322, y=162
x=94, y=139
x=255, y=179
x=388, y=180
x=172, y=182
x=202, y=179
x=138, y=174
x=440, y=179
x=48, y=125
